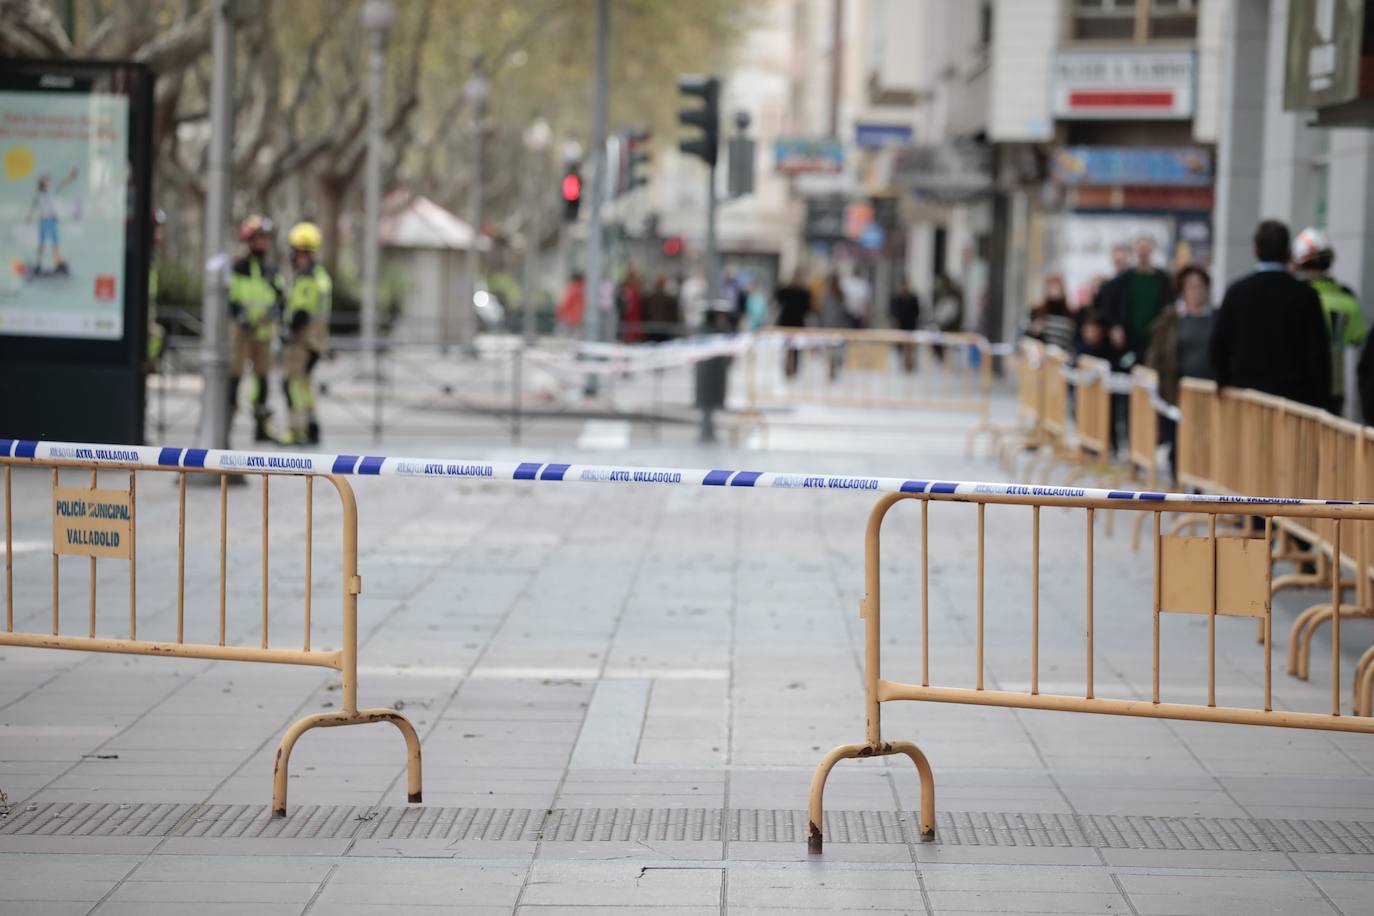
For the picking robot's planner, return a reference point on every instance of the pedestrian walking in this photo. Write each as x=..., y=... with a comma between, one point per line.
x=904, y=308
x=255, y=303
x=572, y=305
x=1180, y=346
x=1134, y=300
x=1313, y=257
x=755, y=305
x=857, y=294
x=662, y=313
x=307, y=330
x=1051, y=321
x=1270, y=334
x=834, y=314
x=794, y=307
x=948, y=309
x=630, y=304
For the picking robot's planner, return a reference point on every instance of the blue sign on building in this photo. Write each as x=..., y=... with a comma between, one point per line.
x=1119, y=165
x=876, y=136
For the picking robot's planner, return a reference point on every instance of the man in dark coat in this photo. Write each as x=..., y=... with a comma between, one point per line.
x=1270, y=334
x=1133, y=300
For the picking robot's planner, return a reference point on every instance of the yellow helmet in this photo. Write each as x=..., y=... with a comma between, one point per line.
x=304, y=237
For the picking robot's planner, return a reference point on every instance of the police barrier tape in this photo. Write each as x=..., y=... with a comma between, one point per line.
x=231, y=461
x=102, y=524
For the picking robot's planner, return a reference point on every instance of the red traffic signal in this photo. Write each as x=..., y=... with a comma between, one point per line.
x=672, y=246
x=572, y=187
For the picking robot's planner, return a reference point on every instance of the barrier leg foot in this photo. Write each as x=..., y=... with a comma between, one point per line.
x=1300, y=638
x=281, y=770
x=927, y=786
x=815, y=838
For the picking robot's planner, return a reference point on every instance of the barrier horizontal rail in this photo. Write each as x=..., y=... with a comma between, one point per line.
x=1211, y=576
x=102, y=525
x=345, y=465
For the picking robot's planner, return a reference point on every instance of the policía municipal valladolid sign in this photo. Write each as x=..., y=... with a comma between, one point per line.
x=91, y=523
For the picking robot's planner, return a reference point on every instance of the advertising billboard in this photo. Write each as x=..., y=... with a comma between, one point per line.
x=75, y=204
x=63, y=209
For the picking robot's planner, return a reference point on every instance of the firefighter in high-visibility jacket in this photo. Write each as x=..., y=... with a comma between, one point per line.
x=255, y=299
x=307, y=330
x=1313, y=255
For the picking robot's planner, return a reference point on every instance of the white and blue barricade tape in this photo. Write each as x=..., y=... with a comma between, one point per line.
x=155, y=457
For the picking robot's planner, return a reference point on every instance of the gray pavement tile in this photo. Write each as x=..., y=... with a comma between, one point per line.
x=149, y=908
x=1185, y=858
x=969, y=878
x=20, y=888
x=582, y=910
x=745, y=851
x=215, y=891
x=1023, y=901
x=47, y=908
x=1005, y=855
x=79, y=845
x=649, y=850
x=443, y=849
x=465, y=891
x=251, y=846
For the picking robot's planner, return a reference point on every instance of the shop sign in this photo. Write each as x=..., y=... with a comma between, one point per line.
x=876, y=136
x=1123, y=84
x=806, y=155
x=1090, y=165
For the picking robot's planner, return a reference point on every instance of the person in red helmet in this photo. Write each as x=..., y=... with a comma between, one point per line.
x=255, y=302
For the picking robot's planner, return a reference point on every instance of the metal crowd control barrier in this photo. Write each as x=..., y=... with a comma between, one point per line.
x=1235, y=441
x=89, y=521
x=1212, y=576
x=926, y=370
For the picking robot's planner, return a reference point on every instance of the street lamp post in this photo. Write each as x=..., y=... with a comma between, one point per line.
x=476, y=90
x=377, y=17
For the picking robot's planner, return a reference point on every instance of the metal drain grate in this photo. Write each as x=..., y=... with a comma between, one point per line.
x=765, y=825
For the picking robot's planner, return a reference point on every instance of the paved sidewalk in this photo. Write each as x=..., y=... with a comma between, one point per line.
x=622, y=693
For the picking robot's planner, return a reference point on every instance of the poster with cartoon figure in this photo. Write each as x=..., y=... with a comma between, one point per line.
x=63, y=200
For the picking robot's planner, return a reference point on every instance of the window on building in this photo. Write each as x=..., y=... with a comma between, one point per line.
x=1133, y=20
x=1173, y=19
x=1104, y=20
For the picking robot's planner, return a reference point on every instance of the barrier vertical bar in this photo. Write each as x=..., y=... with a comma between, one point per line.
x=1035, y=599
x=1336, y=619
x=264, y=559
x=9, y=555
x=223, y=545
x=1268, y=622
x=982, y=507
x=925, y=593
x=181, y=556
x=133, y=555
x=309, y=547
x=1089, y=694
x=55, y=480
x=1158, y=599
x=1212, y=615
x=95, y=482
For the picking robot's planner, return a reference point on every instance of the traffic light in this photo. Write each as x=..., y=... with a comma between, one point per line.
x=572, y=194
x=707, y=117
x=636, y=147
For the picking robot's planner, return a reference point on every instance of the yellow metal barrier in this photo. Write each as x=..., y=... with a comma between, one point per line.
x=871, y=368
x=1212, y=576
x=94, y=522
x=1028, y=434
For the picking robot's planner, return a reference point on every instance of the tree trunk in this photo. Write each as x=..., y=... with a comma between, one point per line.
x=332, y=193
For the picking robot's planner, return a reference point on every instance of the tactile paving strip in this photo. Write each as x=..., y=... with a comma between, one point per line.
x=765, y=825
